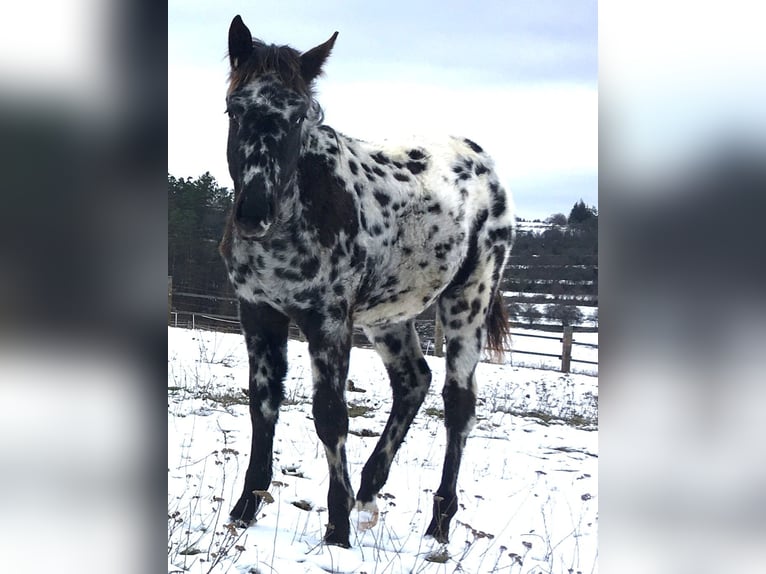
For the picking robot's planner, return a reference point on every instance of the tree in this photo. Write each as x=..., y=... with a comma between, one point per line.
x=197, y=211
x=581, y=213
x=530, y=313
x=567, y=315
x=557, y=219
x=514, y=311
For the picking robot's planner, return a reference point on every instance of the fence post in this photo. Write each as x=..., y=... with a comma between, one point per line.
x=566, y=351
x=438, y=336
x=170, y=297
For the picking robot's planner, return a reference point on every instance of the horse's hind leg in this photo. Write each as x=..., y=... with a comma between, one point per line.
x=265, y=333
x=463, y=311
x=410, y=378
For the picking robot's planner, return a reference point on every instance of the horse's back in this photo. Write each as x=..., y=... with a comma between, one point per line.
x=438, y=199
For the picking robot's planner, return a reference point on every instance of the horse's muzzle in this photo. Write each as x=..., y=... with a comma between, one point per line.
x=253, y=213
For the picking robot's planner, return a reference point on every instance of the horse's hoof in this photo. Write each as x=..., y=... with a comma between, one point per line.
x=438, y=532
x=367, y=515
x=334, y=537
x=339, y=543
x=239, y=523
x=243, y=513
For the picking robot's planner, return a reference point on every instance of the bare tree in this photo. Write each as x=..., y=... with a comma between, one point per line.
x=567, y=315
x=557, y=219
x=530, y=313
x=515, y=311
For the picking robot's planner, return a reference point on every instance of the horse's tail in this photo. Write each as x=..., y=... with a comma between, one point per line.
x=498, y=328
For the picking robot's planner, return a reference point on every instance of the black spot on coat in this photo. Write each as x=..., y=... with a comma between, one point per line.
x=329, y=208
x=381, y=197
x=310, y=267
x=380, y=158
x=498, y=199
x=416, y=167
x=473, y=145
x=472, y=256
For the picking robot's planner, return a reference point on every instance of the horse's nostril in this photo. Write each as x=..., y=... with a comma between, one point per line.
x=251, y=224
x=252, y=215
x=251, y=206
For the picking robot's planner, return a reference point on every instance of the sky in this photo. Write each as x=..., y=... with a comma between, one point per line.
x=519, y=78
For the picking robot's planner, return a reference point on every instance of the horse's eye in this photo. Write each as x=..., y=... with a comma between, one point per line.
x=299, y=119
x=233, y=113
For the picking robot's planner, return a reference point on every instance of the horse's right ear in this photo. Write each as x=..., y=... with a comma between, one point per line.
x=313, y=60
x=240, y=42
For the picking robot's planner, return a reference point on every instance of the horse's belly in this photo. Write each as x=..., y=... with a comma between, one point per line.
x=389, y=312
x=415, y=289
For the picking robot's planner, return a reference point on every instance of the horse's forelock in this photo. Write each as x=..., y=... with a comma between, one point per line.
x=282, y=61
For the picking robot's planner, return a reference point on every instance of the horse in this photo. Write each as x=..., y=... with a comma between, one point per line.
x=329, y=232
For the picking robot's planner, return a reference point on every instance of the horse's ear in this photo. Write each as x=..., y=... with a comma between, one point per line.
x=313, y=60
x=240, y=42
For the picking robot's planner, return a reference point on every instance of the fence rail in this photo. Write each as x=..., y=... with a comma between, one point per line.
x=554, y=355
x=228, y=323
x=517, y=334
x=221, y=301
x=564, y=352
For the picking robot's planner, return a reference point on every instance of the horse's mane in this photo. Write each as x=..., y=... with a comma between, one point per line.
x=283, y=61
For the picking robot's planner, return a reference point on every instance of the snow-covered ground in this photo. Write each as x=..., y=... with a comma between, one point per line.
x=527, y=487
x=559, y=299
x=535, y=226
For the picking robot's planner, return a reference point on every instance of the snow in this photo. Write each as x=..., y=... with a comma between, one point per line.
x=527, y=487
x=558, y=298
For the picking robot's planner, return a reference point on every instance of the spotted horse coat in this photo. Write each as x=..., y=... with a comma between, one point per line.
x=330, y=231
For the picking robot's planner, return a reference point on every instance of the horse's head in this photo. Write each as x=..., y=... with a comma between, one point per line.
x=269, y=99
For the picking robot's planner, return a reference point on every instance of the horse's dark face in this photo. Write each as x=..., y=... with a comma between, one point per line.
x=265, y=126
x=268, y=102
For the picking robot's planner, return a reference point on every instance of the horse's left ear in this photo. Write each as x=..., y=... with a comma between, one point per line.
x=240, y=42
x=313, y=60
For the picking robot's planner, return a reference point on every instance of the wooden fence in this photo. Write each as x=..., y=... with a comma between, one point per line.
x=230, y=324
x=567, y=342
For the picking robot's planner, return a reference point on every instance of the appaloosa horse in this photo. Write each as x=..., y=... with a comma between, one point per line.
x=329, y=231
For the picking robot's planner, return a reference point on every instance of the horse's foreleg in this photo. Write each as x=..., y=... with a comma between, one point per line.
x=265, y=333
x=329, y=357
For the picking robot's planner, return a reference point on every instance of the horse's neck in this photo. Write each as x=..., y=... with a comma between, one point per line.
x=324, y=137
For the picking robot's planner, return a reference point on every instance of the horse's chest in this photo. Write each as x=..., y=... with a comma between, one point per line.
x=289, y=279
x=257, y=274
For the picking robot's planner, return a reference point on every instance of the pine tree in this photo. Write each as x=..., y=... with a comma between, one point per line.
x=197, y=210
x=581, y=213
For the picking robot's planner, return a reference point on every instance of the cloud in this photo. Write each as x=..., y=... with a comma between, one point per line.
x=529, y=130
x=519, y=78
